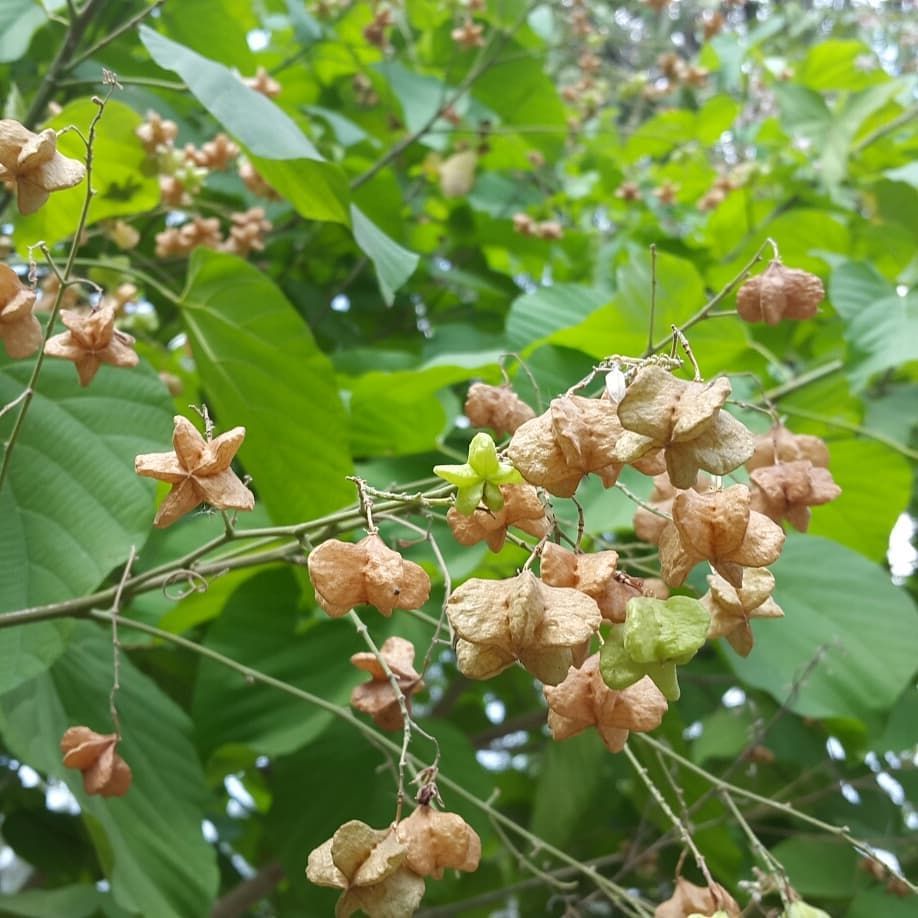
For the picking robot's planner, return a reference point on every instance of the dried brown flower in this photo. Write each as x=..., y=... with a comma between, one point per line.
x=377, y=697
x=574, y=437
x=31, y=163
x=369, y=866
x=264, y=83
x=469, y=35
x=201, y=231
x=648, y=525
x=684, y=419
x=779, y=293
x=91, y=339
x=157, y=134
x=787, y=491
x=247, y=234
x=497, y=407
x=104, y=771
x=689, y=899
x=731, y=608
x=199, y=472
x=438, y=841
x=214, y=154
x=719, y=527
x=501, y=621
x=780, y=445
x=522, y=508
x=584, y=700
x=347, y=574
x=628, y=191
x=594, y=574
x=19, y=329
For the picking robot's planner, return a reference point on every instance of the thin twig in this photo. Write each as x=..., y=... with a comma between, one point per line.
x=106, y=40
x=116, y=645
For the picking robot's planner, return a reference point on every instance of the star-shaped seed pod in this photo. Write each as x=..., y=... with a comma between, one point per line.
x=594, y=574
x=689, y=899
x=104, y=771
x=199, y=472
x=658, y=635
x=720, y=527
x=647, y=525
x=31, y=162
x=90, y=341
x=19, y=329
x=497, y=407
x=501, y=621
x=584, y=700
x=574, y=437
x=686, y=421
x=787, y=491
x=438, y=841
x=377, y=697
x=732, y=608
x=779, y=293
x=368, y=865
x=522, y=508
x=480, y=478
x=780, y=445
x=348, y=574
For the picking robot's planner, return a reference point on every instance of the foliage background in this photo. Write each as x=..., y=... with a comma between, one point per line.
x=346, y=345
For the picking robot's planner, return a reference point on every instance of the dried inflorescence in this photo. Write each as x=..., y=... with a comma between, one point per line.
x=104, y=771
x=574, y=437
x=215, y=154
x=264, y=83
x=30, y=163
x=19, y=329
x=369, y=867
x=438, y=841
x=91, y=339
x=248, y=231
x=347, y=574
x=689, y=899
x=584, y=700
x=787, y=491
x=732, y=608
x=253, y=180
x=469, y=35
x=157, y=134
x=199, y=472
x=497, y=407
x=779, y=293
x=720, y=527
x=594, y=574
x=522, y=509
x=501, y=621
x=686, y=421
x=780, y=445
x=648, y=525
x=377, y=697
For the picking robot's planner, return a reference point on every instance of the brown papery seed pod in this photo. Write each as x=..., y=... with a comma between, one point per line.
x=438, y=841
x=779, y=293
x=104, y=771
x=497, y=407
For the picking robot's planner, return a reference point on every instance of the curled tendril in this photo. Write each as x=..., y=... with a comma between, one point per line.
x=194, y=583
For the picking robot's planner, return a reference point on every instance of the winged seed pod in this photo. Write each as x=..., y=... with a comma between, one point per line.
x=594, y=574
x=522, y=508
x=368, y=866
x=438, y=841
x=732, y=608
x=583, y=700
x=720, y=527
x=377, y=697
x=501, y=621
x=19, y=329
x=779, y=293
x=780, y=445
x=104, y=771
x=497, y=407
x=689, y=899
x=648, y=526
x=346, y=574
x=787, y=491
x=574, y=437
x=685, y=420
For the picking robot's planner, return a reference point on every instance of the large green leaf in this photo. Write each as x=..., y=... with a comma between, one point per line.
x=72, y=505
x=73, y=901
x=534, y=317
x=261, y=368
x=839, y=605
x=19, y=20
x=819, y=867
x=149, y=841
x=259, y=627
x=394, y=264
x=217, y=28
x=121, y=177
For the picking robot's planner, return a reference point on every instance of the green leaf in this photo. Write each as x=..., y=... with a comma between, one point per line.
x=834, y=64
x=27, y=650
x=72, y=505
x=818, y=867
x=73, y=901
x=393, y=264
x=19, y=20
x=261, y=368
x=534, y=317
x=121, y=175
x=842, y=607
x=854, y=285
x=881, y=336
x=150, y=840
x=217, y=28
x=260, y=627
